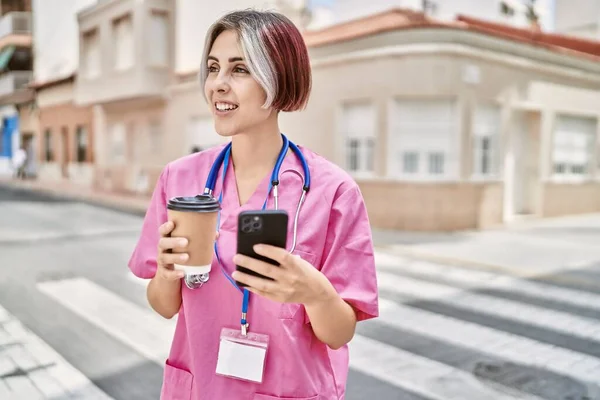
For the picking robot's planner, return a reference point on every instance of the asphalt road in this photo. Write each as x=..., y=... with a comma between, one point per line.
x=444, y=332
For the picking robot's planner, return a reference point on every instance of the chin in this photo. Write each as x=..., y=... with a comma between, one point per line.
x=225, y=130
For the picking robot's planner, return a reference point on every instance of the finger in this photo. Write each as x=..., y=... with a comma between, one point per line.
x=258, y=266
x=261, y=285
x=282, y=256
x=171, y=274
x=168, y=243
x=166, y=228
x=171, y=258
x=263, y=294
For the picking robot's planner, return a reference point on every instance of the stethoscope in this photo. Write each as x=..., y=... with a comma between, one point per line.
x=196, y=281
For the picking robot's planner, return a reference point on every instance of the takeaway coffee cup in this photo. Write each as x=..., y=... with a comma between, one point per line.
x=195, y=219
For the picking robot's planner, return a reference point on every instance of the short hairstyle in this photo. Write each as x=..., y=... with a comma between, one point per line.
x=274, y=51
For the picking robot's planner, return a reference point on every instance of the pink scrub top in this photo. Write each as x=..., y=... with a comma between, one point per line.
x=334, y=235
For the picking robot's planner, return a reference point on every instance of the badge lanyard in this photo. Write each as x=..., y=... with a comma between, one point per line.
x=246, y=294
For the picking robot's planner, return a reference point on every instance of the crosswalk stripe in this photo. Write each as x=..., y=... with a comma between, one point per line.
x=55, y=378
x=133, y=325
x=421, y=375
x=140, y=328
x=536, y=316
x=478, y=279
x=490, y=341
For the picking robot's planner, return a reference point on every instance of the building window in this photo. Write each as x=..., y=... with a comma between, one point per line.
x=424, y=133
x=200, y=134
x=506, y=10
x=118, y=137
x=81, y=138
x=353, y=156
x=91, y=54
x=123, y=42
x=158, y=39
x=358, y=128
x=573, y=148
x=49, y=154
x=410, y=162
x=485, y=133
x=155, y=136
x=436, y=163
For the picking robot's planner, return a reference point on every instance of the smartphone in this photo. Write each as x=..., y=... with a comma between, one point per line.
x=260, y=227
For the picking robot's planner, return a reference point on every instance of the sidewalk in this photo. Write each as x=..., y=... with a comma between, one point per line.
x=126, y=202
x=532, y=248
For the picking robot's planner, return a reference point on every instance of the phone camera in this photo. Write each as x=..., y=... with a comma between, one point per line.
x=251, y=224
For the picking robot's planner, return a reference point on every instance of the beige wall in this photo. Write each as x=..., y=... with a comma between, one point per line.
x=143, y=161
x=427, y=207
x=564, y=199
x=28, y=119
x=186, y=102
x=55, y=95
x=141, y=78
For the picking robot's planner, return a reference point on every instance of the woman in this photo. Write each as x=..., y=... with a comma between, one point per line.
x=255, y=66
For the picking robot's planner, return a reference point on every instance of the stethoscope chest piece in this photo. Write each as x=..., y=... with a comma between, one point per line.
x=196, y=281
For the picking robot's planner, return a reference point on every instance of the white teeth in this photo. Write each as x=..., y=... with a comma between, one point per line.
x=225, y=106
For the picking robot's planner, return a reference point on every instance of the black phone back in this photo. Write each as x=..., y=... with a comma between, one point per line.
x=260, y=227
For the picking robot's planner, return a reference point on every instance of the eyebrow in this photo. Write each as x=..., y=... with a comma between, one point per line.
x=232, y=59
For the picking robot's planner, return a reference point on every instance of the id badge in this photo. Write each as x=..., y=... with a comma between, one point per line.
x=242, y=357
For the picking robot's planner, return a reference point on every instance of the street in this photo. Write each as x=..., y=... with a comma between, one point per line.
x=74, y=322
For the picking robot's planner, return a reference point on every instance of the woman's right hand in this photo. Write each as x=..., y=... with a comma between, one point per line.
x=166, y=258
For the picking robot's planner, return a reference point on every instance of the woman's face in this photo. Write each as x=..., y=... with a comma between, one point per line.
x=234, y=97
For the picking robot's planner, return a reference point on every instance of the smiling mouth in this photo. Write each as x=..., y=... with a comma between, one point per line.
x=225, y=107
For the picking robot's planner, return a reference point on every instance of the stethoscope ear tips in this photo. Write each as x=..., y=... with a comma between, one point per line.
x=195, y=281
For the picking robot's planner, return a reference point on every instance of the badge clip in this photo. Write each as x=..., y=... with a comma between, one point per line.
x=244, y=325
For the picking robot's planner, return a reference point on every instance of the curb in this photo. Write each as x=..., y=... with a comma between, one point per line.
x=548, y=277
x=110, y=204
x=408, y=252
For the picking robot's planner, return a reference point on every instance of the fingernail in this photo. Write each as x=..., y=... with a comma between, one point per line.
x=183, y=242
x=237, y=258
x=183, y=257
x=258, y=247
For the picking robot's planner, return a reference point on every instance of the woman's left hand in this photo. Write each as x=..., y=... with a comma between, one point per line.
x=294, y=280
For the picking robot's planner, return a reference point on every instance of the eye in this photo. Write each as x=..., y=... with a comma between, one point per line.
x=240, y=70
x=213, y=68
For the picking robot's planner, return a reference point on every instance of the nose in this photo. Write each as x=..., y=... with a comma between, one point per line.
x=221, y=82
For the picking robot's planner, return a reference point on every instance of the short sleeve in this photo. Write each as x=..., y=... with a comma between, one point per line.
x=348, y=256
x=143, y=260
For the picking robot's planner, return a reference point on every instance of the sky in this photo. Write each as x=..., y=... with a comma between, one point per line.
x=549, y=4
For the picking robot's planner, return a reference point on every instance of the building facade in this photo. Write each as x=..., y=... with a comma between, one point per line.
x=16, y=64
x=445, y=125
x=126, y=63
x=65, y=132
x=456, y=125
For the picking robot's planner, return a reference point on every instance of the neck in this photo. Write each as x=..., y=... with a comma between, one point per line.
x=256, y=152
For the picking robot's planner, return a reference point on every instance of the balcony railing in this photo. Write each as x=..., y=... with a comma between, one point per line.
x=17, y=22
x=14, y=80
